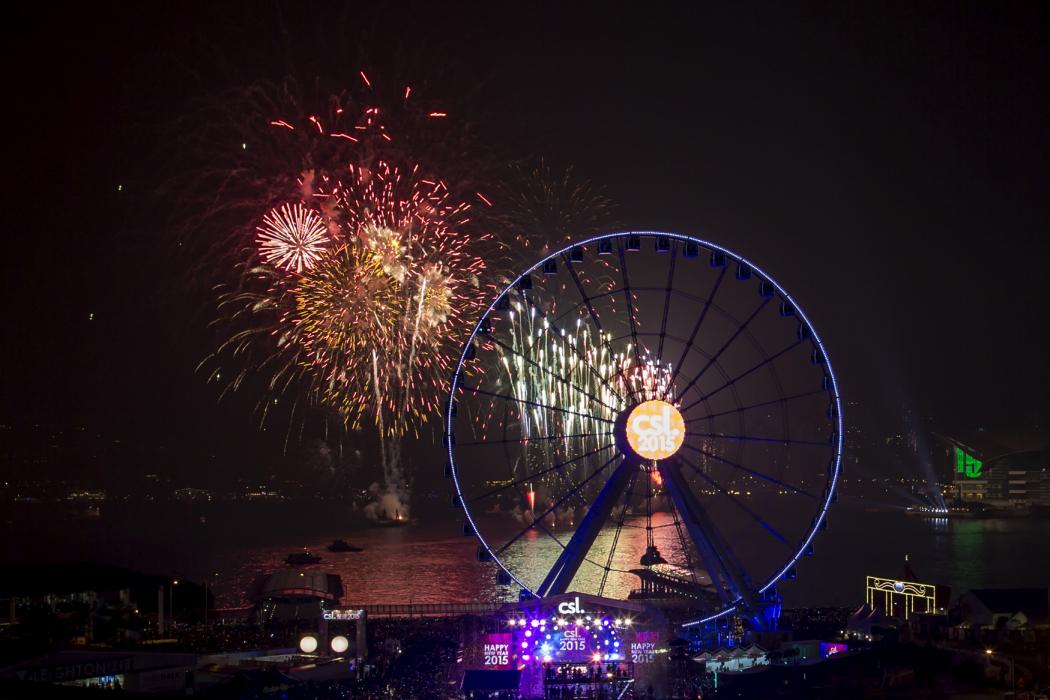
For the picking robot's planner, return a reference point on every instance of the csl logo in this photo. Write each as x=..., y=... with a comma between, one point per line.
x=655, y=430
x=573, y=607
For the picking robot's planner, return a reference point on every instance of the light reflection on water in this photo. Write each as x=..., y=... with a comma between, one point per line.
x=535, y=555
x=418, y=564
x=424, y=564
x=398, y=565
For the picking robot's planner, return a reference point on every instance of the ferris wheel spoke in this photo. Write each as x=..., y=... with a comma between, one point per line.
x=714, y=358
x=752, y=472
x=547, y=371
x=753, y=438
x=514, y=399
x=613, y=291
x=535, y=475
x=737, y=502
x=557, y=504
x=725, y=571
x=628, y=494
x=683, y=543
x=753, y=406
x=696, y=329
x=576, y=349
x=587, y=302
x=568, y=563
x=765, y=362
x=629, y=302
x=667, y=303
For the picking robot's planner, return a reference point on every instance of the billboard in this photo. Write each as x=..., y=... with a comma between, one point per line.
x=831, y=648
x=495, y=650
x=643, y=647
x=967, y=465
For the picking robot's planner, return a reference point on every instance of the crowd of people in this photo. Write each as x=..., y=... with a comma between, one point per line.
x=410, y=659
x=231, y=637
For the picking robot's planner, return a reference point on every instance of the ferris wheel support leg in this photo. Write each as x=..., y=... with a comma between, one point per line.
x=706, y=539
x=563, y=571
x=696, y=534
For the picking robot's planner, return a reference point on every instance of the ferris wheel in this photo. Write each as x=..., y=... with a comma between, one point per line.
x=645, y=415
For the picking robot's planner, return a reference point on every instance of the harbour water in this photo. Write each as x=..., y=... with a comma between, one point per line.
x=431, y=561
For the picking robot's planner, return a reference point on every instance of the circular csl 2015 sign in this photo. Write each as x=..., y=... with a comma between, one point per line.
x=655, y=429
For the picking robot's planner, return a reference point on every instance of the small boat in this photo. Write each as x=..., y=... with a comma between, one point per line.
x=343, y=546
x=303, y=557
x=398, y=520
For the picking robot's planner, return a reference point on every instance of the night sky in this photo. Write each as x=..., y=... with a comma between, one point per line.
x=888, y=163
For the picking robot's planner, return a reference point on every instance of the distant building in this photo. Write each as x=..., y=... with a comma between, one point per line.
x=986, y=472
x=292, y=594
x=1020, y=478
x=1009, y=608
x=55, y=585
x=111, y=670
x=192, y=494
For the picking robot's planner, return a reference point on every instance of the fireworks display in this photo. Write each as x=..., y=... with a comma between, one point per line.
x=363, y=263
x=375, y=316
x=567, y=385
x=363, y=270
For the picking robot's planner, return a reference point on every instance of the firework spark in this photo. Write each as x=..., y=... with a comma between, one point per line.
x=292, y=238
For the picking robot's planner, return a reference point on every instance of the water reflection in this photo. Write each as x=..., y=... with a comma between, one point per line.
x=531, y=559
x=433, y=562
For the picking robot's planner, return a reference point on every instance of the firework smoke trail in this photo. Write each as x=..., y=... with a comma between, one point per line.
x=415, y=327
x=541, y=206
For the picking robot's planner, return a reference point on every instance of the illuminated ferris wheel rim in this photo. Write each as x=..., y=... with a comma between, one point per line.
x=814, y=337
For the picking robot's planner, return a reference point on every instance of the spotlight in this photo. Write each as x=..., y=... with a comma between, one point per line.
x=340, y=644
x=308, y=644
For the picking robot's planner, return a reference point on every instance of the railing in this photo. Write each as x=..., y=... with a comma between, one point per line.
x=427, y=609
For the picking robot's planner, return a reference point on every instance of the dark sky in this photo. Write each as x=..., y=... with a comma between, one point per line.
x=887, y=162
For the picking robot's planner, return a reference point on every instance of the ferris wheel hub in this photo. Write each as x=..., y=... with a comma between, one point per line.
x=652, y=430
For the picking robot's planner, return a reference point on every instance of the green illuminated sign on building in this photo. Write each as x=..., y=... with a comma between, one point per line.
x=967, y=464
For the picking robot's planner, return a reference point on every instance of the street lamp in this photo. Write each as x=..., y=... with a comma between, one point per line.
x=1013, y=678
x=171, y=602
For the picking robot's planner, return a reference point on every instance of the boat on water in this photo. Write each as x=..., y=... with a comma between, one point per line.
x=398, y=520
x=970, y=510
x=303, y=557
x=343, y=546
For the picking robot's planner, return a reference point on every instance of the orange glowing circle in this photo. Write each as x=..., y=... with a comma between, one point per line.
x=655, y=429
